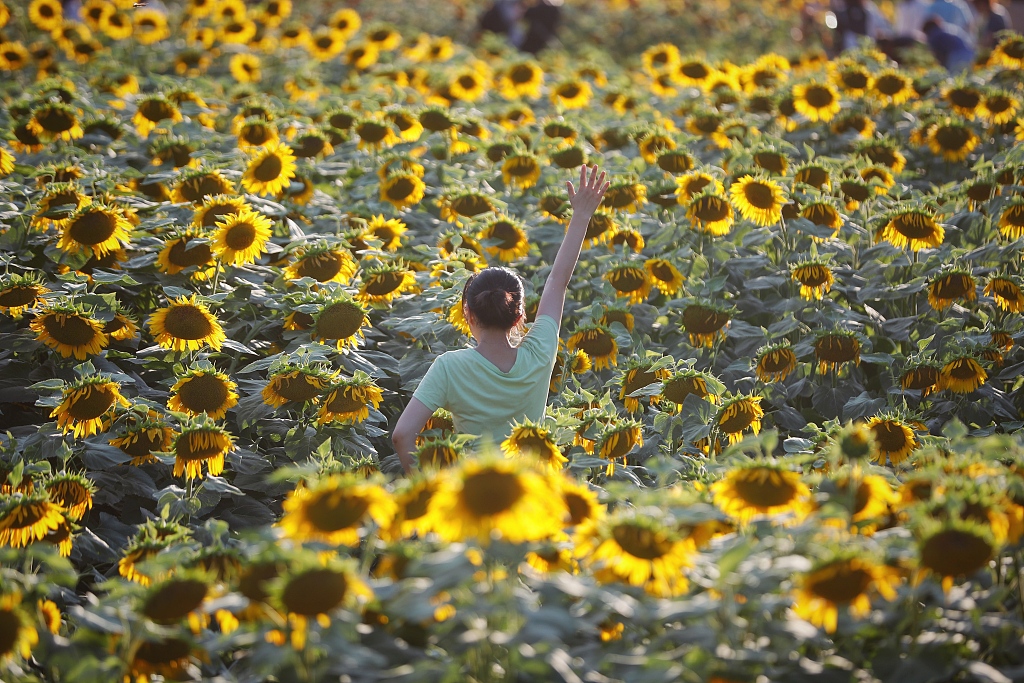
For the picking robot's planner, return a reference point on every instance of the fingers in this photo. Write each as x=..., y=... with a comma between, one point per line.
x=593, y=176
x=570, y=189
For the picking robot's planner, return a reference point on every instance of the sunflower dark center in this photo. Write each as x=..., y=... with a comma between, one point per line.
x=521, y=74
x=778, y=361
x=813, y=275
x=821, y=214
x=55, y=120
x=819, y=97
x=770, y=161
x=597, y=345
x=628, y=279
x=93, y=227
x=341, y=120
x=314, y=592
x=332, y=511
x=569, y=158
x=185, y=321
x=339, y=321
x=759, y=195
x=700, y=320
x=952, y=138
x=196, y=189
x=321, y=267
x=269, y=169
x=91, y=402
x=955, y=553
x=841, y=584
x=695, y=70
x=739, y=419
x=599, y=224
x=183, y=256
x=914, y=225
x=240, y=236
x=17, y=296
x=579, y=508
x=640, y=542
x=890, y=436
x=854, y=80
x=677, y=389
x=400, y=188
x=837, y=348
x=471, y=205
x=953, y=286
x=298, y=388
x=569, y=91
x=200, y=445
x=251, y=583
x=964, y=98
x=521, y=166
x=12, y=57
x=890, y=84
x=146, y=441
x=203, y=393
x=156, y=110
x=384, y=283
x=72, y=330
x=372, y=131
x=162, y=652
x=342, y=403
x=173, y=601
x=813, y=176
x=309, y=146
x=770, y=491
x=491, y=492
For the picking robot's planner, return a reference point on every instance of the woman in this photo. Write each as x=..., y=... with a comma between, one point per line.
x=489, y=386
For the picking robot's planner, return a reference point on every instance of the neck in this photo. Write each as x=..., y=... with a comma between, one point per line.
x=491, y=337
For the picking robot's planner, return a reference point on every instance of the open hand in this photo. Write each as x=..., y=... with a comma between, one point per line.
x=592, y=189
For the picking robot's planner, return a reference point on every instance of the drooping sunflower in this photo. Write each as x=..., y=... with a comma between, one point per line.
x=312, y=590
x=27, y=518
x=240, y=238
x=854, y=122
x=198, y=184
x=186, y=324
x=340, y=321
x=617, y=440
x=705, y=323
x=813, y=174
x=911, y=227
x=823, y=214
x=771, y=160
x=842, y=583
x=626, y=196
x=775, y=362
x=72, y=492
x=949, y=286
x=18, y=293
x=438, y=452
x=833, y=348
x=921, y=376
x=95, y=229
x=762, y=489
x=738, y=414
x=87, y=405
x=682, y=383
x=817, y=101
x=69, y=330
x=348, y=401
x=144, y=435
x=203, y=389
x=296, y=384
x=629, y=280
x=954, y=549
x=334, y=510
x=1011, y=221
x=962, y=375
x=894, y=438
x=529, y=439
x=711, y=213
x=55, y=121
x=488, y=497
x=758, y=199
x=1006, y=290
x=639, y=550
x=201, y=440
x=270, y=169
x=953, y=140
x=383, y=283
x=597, y=342
x=664, y=275
x=815, y=278
x=637, y=375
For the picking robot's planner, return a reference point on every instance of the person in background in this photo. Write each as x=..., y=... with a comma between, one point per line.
x=910, y=18
x=955, y=13
x=950, y=46
x=503, y=17
x=858, y=19
x=992, y=18
x=543, y=18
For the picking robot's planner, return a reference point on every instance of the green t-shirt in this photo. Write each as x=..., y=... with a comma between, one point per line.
x=484, y=400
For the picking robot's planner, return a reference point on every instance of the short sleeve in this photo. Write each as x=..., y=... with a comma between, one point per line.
x=433, y=388
x=542, y=338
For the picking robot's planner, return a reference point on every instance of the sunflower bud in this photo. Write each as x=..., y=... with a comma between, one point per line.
x=856, y=442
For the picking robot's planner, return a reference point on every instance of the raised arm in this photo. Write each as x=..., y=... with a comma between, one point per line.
x=584, y=202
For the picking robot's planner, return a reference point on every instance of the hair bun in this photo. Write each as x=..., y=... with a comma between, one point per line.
x=495, y=297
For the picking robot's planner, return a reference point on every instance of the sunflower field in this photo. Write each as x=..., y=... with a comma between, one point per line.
x=782, y=438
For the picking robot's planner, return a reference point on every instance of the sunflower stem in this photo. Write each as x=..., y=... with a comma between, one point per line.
x=216, y=277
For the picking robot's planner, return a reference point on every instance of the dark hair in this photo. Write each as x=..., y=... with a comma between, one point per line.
x=495, y=297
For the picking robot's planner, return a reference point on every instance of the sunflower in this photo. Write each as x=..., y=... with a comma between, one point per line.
x=705, y=323
x=468, y=85
x=962, y=375
x=952, y=284
x=270, y=169
x=375, y=133
x=438, y=452
x=402, y=190
x=752, y=490
x=894, y=439
x=349, y=400
x=815, y=278
x=55, y=121
x=296, y=384
x=629, y=280
x=597, y=342
x=346, y=22
x=149, y=26
x=636, y=376
x=625, y=196
x=617, y=440
x=823, y=214
x=69, y=331
x=639, y=550
x=383, y=283
x=13, y=56
x=505, y=238
x=521, y=80
x=334, y=509
x=87, y=405
x=923, y=377
x=143, y=436
x=95, y=229
x=313, y=589
x=911, y=227
x=117, y=25
x=626, y=236
x=854, y=122
x=203, y=389
x=340, y=321
x=520, y=170
x=1011, y=221
x=186, y=324
x=845, y=582
x=531, y=440
x=486, y=497
x=18, y=293
x=758, y=199
x=890, y=87
x=813, y=174
x=188, y=248
x=200, y=440
x=660, y=58
x=572, y=94
x=709, y=212
x=324, y=262
x=323, y=45
x=834, y=348
x=664, y=275
x=19, y=636
x=1004, y=289
x=200, y=184
x=682, y=383
x=151, y=111
x=246, y=68
x=953, y=140
x=27, y=518
x=46, y=15
x=72, y=492
x=775, y=362
x=362, y=56
x=816, y=101
x=241, y=238
x=955, y=549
